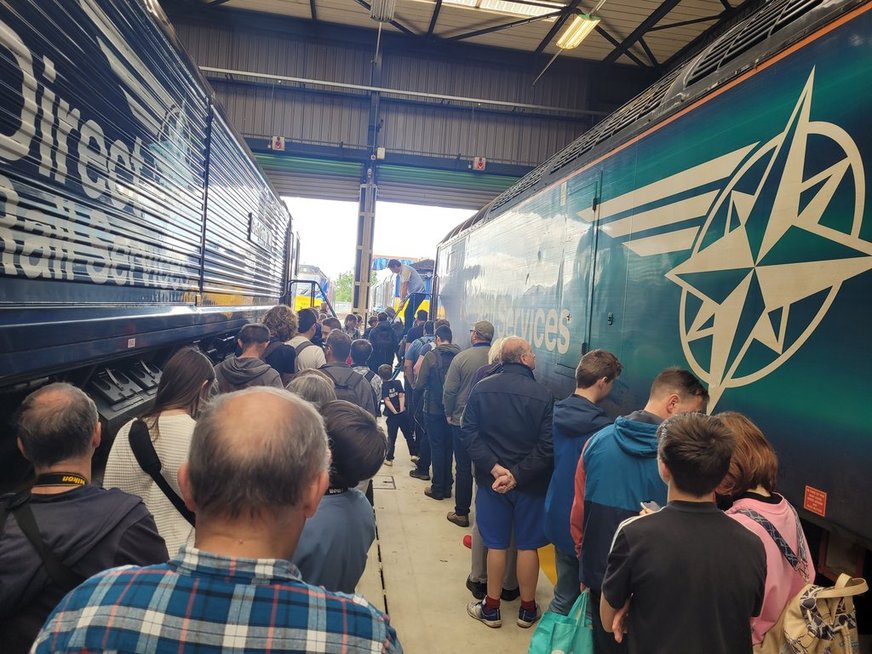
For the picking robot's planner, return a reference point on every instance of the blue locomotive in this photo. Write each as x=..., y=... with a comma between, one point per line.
x=719, y=222
x=132, y=217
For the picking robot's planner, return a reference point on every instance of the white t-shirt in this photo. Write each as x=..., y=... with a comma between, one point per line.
x=122, y=471
x=309, y=357
x=410, y=275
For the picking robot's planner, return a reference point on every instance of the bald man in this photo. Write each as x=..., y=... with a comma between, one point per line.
x=84, y=528
x=507, y=429
x=257, y=470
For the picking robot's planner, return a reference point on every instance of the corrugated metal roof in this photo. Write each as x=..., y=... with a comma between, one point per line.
x=675, y=23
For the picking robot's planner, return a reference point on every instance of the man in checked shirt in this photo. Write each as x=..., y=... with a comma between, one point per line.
x=257, y=469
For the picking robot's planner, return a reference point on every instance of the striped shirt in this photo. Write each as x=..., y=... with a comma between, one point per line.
x=209, y=604
x=122, y=471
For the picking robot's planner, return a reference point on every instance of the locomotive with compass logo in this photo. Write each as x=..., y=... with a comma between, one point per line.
x=718, y=222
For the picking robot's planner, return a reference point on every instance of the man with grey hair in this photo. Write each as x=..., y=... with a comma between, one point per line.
x=64, y=529
x=257, y=470
x=507, y=428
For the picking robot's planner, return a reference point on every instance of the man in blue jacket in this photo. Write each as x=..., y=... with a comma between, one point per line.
x=576, y=418
x=507, y=429
x=617, y=471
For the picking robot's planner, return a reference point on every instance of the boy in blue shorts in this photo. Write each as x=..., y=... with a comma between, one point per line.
x=395, y=410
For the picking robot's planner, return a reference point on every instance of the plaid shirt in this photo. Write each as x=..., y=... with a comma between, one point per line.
x=207, y=603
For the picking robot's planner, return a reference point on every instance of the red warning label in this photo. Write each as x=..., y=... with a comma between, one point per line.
x=815, y=501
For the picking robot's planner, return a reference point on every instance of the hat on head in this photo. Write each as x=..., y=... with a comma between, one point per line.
x=484, y=329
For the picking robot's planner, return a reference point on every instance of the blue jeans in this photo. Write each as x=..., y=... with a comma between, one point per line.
x=441, y=452
x=567, y=588
x=463, y=473
x=399, y=421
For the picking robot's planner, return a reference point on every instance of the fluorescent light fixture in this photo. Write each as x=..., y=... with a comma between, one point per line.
x=509, y=8
x=578, y=29
x=383, y=10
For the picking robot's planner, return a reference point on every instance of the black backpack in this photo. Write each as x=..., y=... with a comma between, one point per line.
x=346, y=384
x=383, y=337
x=436, y=379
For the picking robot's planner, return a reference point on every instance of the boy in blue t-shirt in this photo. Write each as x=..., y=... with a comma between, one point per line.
x=395, y=410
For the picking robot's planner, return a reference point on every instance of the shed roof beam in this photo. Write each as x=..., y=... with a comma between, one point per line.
x=434, y=17
x=682, y=23
x=639, y=32
x=649, y=53
x=361, y=98
x=504, y=26
x=414, y=94
x=608, y=37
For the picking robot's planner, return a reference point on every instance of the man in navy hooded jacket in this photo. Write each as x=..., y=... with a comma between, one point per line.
x=576, y=418
x=617, y=471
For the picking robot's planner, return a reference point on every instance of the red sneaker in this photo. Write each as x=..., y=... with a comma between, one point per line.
x=467, y=541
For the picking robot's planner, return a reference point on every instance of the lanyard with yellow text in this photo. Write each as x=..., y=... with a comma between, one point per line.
x=61, y=479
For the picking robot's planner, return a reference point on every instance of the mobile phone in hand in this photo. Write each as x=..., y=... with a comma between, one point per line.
x=650, y=505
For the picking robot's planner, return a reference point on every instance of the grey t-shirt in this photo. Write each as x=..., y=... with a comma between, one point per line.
x=409, y=274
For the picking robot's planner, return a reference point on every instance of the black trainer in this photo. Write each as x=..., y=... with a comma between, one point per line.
x=423, y=476
x=477, y=588
x=510, y=595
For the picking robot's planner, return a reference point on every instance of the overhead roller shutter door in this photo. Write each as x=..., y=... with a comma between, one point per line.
x=303, y=177
x=440, y=188
x=340, y=180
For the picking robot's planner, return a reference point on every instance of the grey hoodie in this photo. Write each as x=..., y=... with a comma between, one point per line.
x=234, y=374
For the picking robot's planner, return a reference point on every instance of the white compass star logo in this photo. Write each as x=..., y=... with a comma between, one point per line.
x=784, y=232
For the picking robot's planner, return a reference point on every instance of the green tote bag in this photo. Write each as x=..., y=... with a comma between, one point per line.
x=564, y=634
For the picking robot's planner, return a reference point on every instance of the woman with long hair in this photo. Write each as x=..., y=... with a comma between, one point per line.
x=185, y=383
x=750, y=484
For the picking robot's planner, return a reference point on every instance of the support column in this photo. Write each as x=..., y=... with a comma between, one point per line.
x=368, y=196
x=365, y=233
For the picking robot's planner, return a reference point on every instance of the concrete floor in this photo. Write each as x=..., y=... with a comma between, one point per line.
x=424, y=567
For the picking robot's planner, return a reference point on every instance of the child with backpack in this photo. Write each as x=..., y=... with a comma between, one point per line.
x=395, y=410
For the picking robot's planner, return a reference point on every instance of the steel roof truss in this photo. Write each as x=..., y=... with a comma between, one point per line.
x=608, y=37
x=504, y=26
x=648, y=52
x=639, y=32
x=694, y=21
x=434, y=18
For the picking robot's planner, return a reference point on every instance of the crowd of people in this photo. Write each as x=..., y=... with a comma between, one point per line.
x=239, y=505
